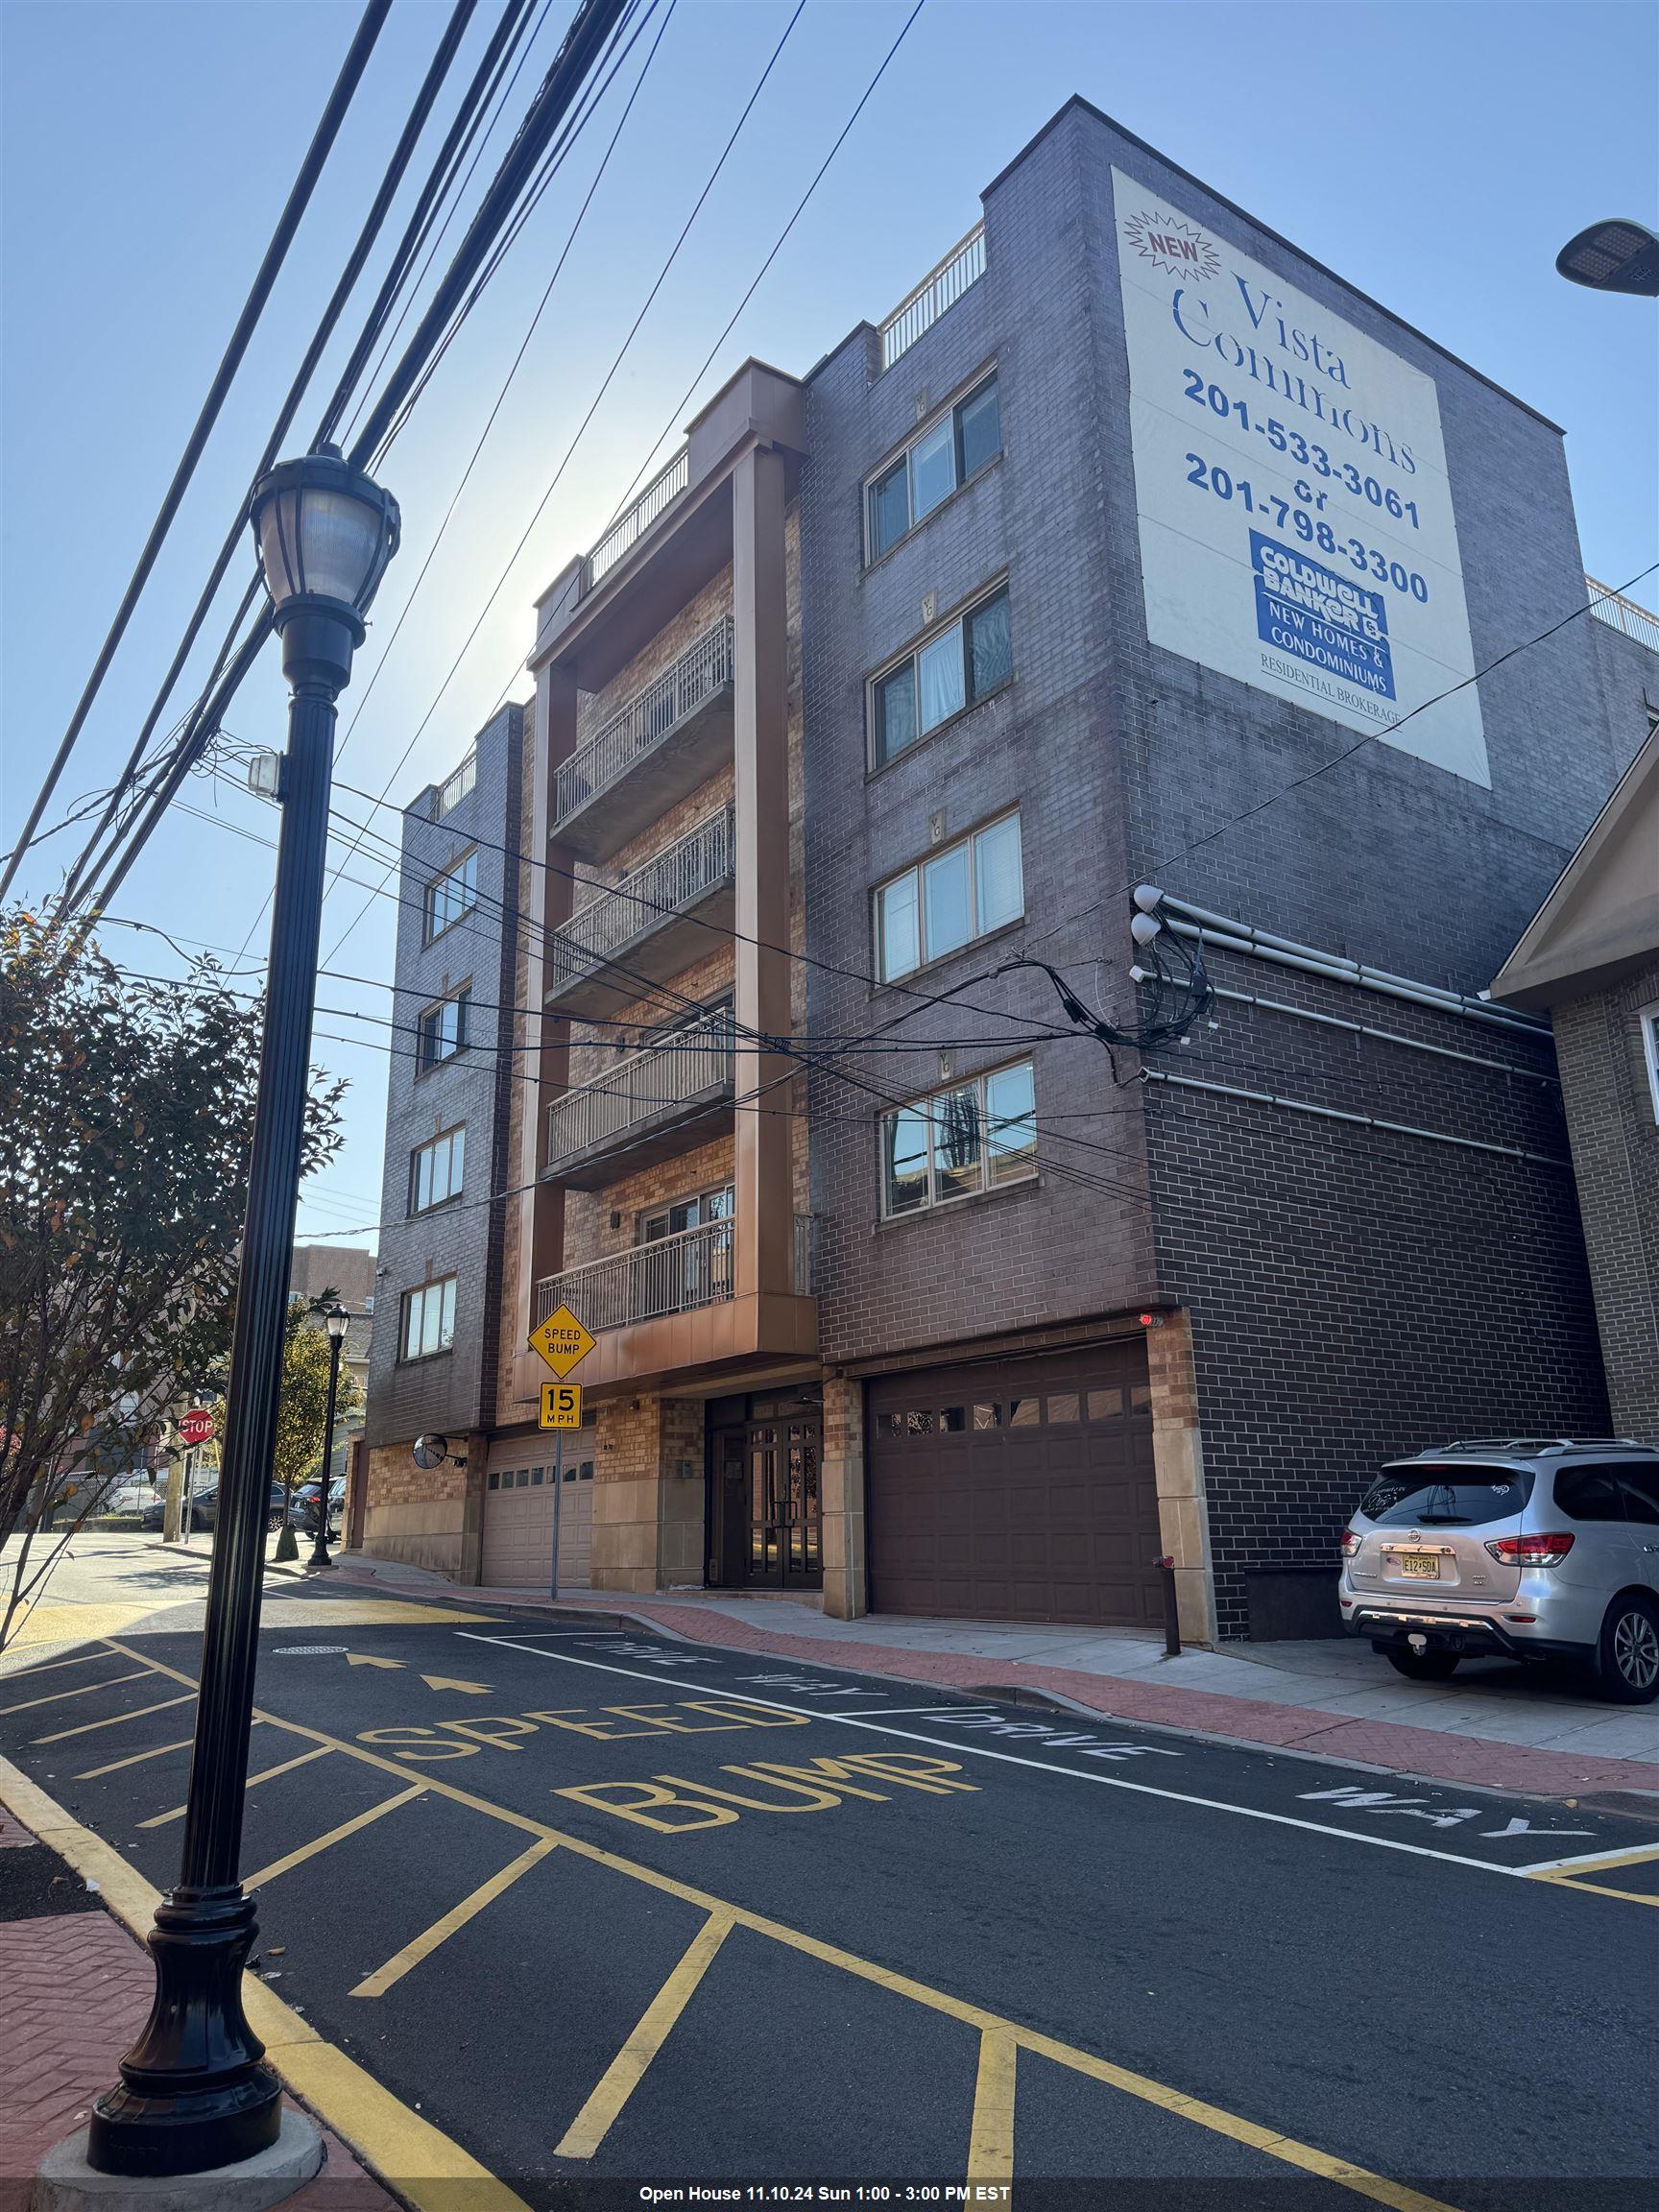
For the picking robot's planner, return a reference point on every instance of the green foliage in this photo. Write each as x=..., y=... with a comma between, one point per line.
x=305, y=1400
x=126, y=1113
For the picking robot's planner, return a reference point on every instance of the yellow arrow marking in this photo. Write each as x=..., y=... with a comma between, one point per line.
x=443, y=1682
x=362, y=1659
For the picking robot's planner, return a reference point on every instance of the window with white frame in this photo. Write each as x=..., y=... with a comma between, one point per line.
x=958, y=1143
x=451, y=792
x=1650, y=1021
x=443, y=1028
x=937, y=462
x=451, y=895
x=428, y=1322
x=960, y=664
x=436, y=1169
x=963, y=892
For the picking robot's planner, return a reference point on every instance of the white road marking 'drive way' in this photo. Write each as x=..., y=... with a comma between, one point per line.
x=966, y=1746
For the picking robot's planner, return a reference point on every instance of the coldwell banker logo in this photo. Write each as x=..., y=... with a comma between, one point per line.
x=1178, y=248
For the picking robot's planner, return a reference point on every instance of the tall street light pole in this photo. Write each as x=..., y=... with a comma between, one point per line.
x=336, y=1322
x=193, y=2093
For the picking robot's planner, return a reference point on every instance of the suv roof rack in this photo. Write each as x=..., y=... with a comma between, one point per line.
x=1532, y=1444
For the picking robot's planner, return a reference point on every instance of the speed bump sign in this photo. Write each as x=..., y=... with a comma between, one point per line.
x=562, y=1340
x=560, y=1405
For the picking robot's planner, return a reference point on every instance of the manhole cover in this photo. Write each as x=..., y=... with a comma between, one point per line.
x=306, y=1650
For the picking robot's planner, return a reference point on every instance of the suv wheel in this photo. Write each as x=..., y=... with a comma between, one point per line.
x=1627, y=1657
x=1425, y=1665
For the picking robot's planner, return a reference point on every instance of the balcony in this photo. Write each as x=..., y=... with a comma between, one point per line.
x=671, y=1275
x=651, y=1106
x=941, y=288
x=629, y=526
x=666, y=740
x=1624, y=614
x=649, y=927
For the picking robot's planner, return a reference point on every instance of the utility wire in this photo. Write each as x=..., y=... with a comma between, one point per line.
x=328, y=129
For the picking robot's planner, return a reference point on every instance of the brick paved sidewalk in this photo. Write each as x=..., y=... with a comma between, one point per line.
x=77, y=1990
x=1397, y=1747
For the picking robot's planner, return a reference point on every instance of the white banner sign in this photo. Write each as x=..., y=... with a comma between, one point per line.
x=1296, y=524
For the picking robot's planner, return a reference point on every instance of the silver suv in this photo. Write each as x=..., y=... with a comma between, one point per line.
x=1512, y=1547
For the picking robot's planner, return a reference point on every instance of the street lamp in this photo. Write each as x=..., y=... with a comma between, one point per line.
x=1614, y=255
x=193, y=2094
x=336, y=1321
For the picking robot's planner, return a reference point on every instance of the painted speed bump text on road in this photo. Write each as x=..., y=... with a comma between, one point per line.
x=561, y=1341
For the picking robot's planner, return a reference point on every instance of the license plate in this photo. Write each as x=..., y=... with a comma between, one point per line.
x=1424, y=1565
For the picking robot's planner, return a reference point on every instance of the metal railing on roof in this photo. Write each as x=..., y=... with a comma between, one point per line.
x=1624, y=614
x=625, y=532
x=701, y=670
x=674, y=880
x=695, y=1061
x=941, y=288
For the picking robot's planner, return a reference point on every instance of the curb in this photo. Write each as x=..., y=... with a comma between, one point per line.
x=404, y=2152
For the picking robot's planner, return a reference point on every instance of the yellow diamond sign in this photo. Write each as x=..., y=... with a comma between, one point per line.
x=562, y=1340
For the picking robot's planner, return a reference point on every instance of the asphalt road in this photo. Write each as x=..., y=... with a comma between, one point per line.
x=615, y=1911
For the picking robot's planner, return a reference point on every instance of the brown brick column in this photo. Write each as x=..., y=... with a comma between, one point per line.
x=841, y=1491
x=764, y=1203
x=1178, y=1464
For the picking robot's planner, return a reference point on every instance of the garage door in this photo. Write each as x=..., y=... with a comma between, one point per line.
x=1016, y=1491
x=518, y=1513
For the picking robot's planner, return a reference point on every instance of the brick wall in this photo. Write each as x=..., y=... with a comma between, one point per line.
x=1614, y=1121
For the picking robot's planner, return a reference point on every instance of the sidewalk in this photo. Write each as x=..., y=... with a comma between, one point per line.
x=78, y=1988
x=1500, y=1726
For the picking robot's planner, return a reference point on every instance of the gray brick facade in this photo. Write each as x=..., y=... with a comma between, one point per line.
x=452, y=1392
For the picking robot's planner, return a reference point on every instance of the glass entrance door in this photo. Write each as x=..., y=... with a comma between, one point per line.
x=767, y=1533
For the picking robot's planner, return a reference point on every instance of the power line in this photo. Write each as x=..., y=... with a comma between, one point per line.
x=323, y=139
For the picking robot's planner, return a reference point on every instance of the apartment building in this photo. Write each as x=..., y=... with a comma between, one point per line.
x=876, y=707
x=451, y=1080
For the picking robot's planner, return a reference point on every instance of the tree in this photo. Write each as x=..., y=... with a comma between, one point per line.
x=304, y=1407
x=126, y=1125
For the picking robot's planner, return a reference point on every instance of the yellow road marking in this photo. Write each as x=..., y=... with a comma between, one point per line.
x=51, y=1666
x=1596, y=1889
x=116, y=1719
x=85, y=1690
x=991, y=2140
x=358, y=1613
x=444, y=1682
x=428, y=2170
x=1564, y=1870
x=269, y=1774
x=382, y=1980
x=334, y=1836
x=138, y=1758
x=83, y=1623
x=1302, y=2155
x=630, y=2065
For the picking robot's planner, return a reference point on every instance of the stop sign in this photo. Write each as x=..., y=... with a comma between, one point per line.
x=197, y=1426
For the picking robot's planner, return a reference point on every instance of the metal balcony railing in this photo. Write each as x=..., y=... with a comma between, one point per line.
x=625, y=532
x=695, y=1061
x=702, y=670
x=670, y=1275
x=1624, y=614
x=677, y=878
x=941, y=288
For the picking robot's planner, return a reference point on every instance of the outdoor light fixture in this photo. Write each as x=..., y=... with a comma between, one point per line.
x=194, y=2093
x=1615, y=255
x=336, y=1321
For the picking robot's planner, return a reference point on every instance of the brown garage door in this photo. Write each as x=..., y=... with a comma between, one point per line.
x=518, y=1514
x=1016, y=1491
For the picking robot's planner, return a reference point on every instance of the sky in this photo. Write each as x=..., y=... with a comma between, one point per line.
x=1435, y=154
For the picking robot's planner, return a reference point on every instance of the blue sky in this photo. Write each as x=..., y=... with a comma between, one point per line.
x=1437, y=155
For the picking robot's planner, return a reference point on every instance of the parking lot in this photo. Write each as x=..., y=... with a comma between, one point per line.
x=614, y=1909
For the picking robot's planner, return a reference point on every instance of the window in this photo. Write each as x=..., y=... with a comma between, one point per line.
x=428, y=1320
x=1641, y=1487
x=1590, y=1493
x=1650, y=1021
x=451, y=895
x=974, y=1137
x=436, y=1170
x=443, y=1028
x=1460, y=1496
x=451, y=793
x=946, y=455
x=964, y=892
x=717, y=1204
x=965, y=663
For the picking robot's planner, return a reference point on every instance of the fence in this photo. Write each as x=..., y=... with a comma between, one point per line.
x=678, y=877
x=941, y=288
x=698, y=1060
x=1624, y=614
x=625, y=532
x=704, y=668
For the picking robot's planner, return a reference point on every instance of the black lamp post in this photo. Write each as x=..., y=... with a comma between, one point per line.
x=336, y=1321
x=193, y=2094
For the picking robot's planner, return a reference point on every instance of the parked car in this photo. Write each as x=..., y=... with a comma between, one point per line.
x=204, y=1509
x=1516, y=1546
x=305, y=1505
x=129, y=1494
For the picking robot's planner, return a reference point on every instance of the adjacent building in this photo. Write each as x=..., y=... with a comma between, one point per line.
x=947, y=1249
